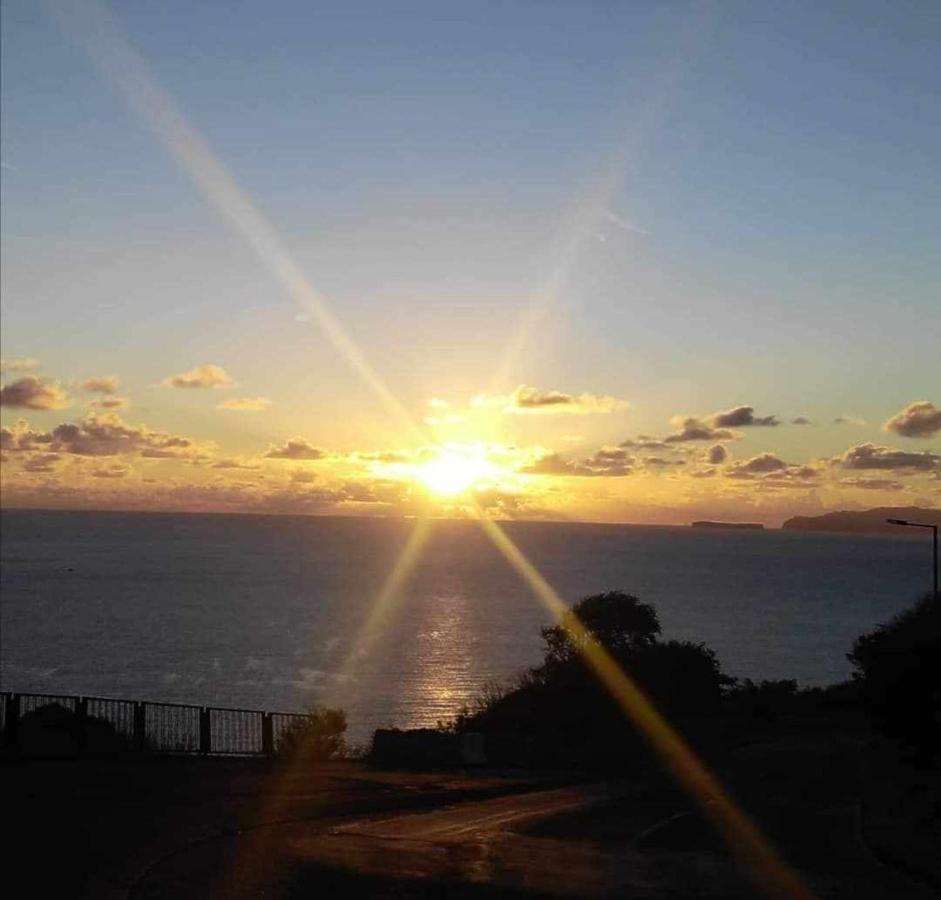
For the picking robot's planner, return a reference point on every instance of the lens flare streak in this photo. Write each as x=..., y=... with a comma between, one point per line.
x=770, y=873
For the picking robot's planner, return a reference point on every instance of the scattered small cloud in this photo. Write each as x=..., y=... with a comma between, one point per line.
x=644, y=442
x=208, y=376
x=742, y=417
x=874, y=484
x=107, y=434
x=871, y=456
x=111, y=403
x=245, y=404
x=849, y=420
x=801, y=420
x=231, y=463
x=101, y=384
x=660, y=462
x=41, y=462
x=528, y=401
x=757, y=465
x=919, y=419
x=607, y=462
x=113, y=471
x=717, y=454
x=35, y=393
x=296, y=448
x=99, y=434
x=20, y=364
x=694, y=429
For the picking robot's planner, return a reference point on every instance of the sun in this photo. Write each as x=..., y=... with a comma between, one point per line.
x=451, y=471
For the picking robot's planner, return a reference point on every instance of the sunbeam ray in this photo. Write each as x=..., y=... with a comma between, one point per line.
x=111, y=53
x=593, y=207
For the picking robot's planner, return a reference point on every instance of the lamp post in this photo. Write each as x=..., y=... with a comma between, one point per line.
x=934, y=545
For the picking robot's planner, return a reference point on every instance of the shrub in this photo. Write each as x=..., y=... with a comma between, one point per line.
x=55, y=730
x=317, y=736
x=899, y=668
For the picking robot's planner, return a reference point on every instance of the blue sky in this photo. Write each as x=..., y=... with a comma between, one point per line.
x=767, y=232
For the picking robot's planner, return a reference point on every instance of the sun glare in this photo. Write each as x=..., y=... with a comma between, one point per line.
x=452, y=472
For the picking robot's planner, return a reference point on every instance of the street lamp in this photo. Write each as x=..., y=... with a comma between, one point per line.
x=934, y=536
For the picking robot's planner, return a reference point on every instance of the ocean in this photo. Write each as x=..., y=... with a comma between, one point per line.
x=272, y=612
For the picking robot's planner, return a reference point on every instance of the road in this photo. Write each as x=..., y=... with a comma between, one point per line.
x=541, y=843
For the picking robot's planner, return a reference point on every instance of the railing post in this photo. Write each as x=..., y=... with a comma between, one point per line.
x=140, y=726
x=267, y=734
x=81, y=721
x=11, y=729
x=205, y=731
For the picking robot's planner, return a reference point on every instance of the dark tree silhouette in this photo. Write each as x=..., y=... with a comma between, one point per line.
x=899, y=667
x=561, y=711
x=618, y=621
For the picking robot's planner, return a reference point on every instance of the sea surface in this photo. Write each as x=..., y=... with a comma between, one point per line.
x=278, y=612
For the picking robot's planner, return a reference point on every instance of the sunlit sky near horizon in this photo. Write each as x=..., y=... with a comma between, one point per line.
x=603, y=255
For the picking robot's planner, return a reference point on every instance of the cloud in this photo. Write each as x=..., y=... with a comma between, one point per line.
x=742, y=417
x=20, y=438
x=874, y=484
x=801, y=420
x=919, y=419
x=383, y=456
x=208, y=376
x=111, y=403
x=113, y=471
x=693, y=429
x=41, y=462
x=99, y=434
x=717, y=454
x=611, y=462
x=233, y=464
x=644, y=442
x=757, y=465
x=527, y=400
x=101, y=384
x=21, y=364
x=296, y=448
x=871, y=456
x=31, y=392
x=108, y=435
x=245, y=404
x=792, y=476
x=849, y=420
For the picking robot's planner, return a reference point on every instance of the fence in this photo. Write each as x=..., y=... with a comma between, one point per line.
x=53, y=724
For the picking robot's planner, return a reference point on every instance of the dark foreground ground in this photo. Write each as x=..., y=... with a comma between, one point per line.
x=191, y=828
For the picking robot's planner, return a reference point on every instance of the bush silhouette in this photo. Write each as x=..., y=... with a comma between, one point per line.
x=899, y=668
x=316, y=737
x=55, y=730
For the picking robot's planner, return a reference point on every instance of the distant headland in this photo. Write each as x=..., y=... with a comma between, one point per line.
x=867, y=521
x=748, y=525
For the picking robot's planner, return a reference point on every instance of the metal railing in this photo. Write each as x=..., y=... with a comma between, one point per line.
x=57, y=725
